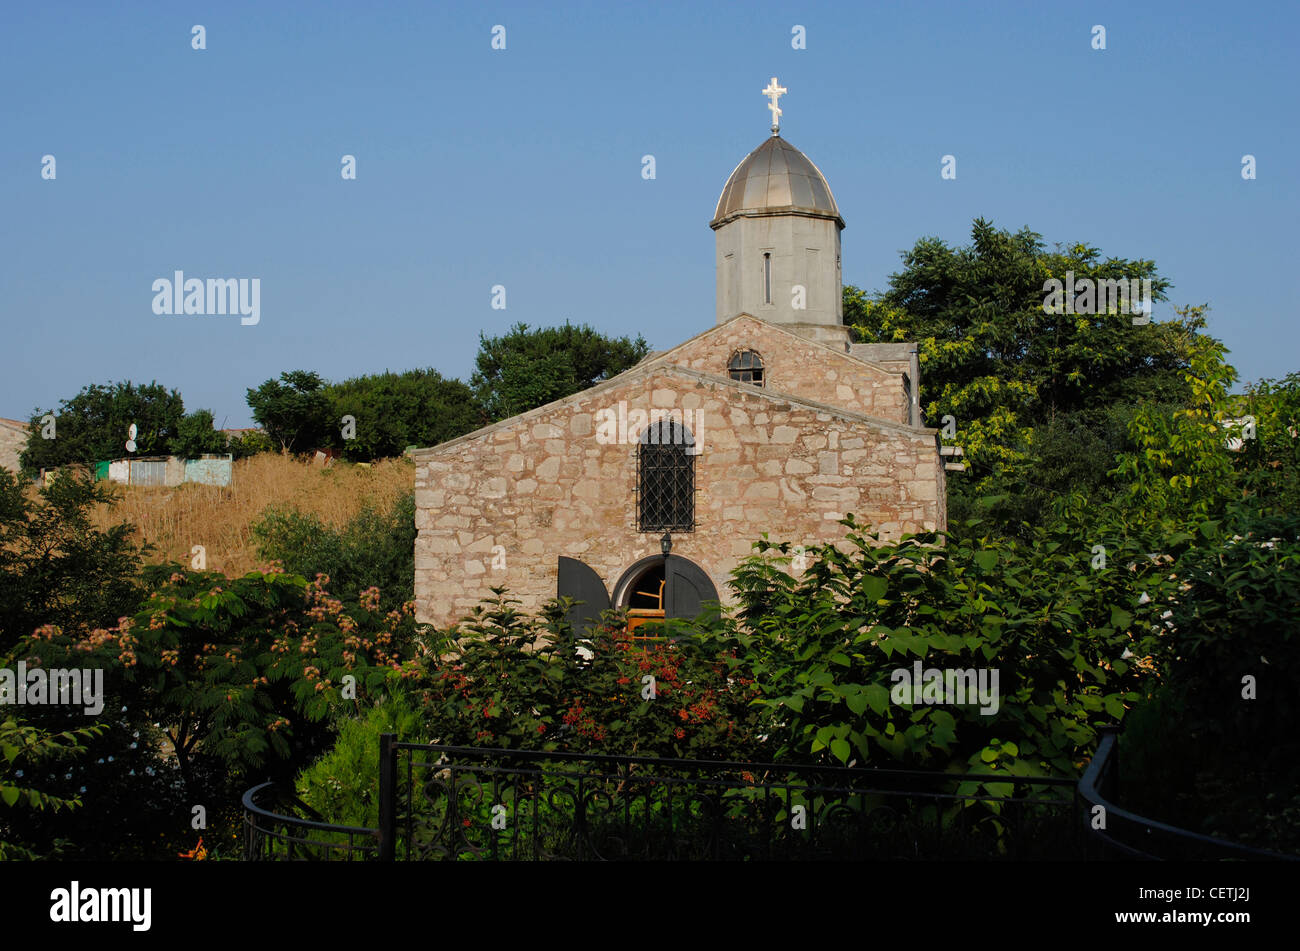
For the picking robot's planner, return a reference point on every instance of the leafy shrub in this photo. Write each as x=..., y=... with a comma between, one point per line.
x=519, y=682
x=1218, y=752
x=1071, y=646
x=1269, y=464
x=238, y=670
x=250, y=444
x=23, y=746
x=343, y=784
x=1238, y=616
x=374, y=549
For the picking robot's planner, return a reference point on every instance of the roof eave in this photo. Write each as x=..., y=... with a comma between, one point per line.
x=792, y=210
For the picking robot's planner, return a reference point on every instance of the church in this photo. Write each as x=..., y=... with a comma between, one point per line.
x=643, y=492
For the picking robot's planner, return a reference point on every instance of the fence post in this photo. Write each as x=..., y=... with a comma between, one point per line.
x=387, y=797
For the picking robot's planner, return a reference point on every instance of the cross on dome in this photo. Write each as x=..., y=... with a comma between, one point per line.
x=775, y=92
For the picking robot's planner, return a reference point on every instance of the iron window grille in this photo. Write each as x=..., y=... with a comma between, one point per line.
x=746, y=366
x=665, y=479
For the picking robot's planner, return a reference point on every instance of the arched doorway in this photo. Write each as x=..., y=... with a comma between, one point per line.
x=663, y=588
x=644, y=599
x=666, y=587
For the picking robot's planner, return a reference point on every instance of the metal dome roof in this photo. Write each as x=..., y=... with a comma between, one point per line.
x=776, y=178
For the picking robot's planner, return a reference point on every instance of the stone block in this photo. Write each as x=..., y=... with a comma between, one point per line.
x=430, y=498
x=924, y=490
x=828, y=493
x=587, y=490
x=761, y=490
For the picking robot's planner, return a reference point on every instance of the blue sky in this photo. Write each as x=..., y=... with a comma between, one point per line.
x=522, y=167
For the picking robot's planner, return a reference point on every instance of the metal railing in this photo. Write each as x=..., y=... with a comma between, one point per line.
x=277, y=836
x=1115, y=832
x=485, y=804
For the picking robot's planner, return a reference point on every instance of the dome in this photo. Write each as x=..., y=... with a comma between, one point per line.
x=776, y=178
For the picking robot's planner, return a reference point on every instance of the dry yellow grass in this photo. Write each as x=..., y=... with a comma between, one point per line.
x=219, y=518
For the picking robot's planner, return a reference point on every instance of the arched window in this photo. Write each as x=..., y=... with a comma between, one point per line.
x=746, y=366
x=666, y=478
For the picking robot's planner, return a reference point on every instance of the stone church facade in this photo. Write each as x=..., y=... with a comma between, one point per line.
x=771, y=421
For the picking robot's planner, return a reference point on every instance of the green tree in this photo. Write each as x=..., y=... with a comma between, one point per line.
x=526, y=368
x=1041, y=400
x=56, y=567
x=396, y=410
x=95, y=425
x=1180, y=466
x=294, y=410
x=196, y=435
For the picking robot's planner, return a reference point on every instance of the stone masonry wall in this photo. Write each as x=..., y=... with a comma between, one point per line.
x=13, y=440
x=543, y=485
x=798, y=367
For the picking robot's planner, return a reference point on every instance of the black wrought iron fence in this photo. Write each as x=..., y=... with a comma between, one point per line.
x=460, y=803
